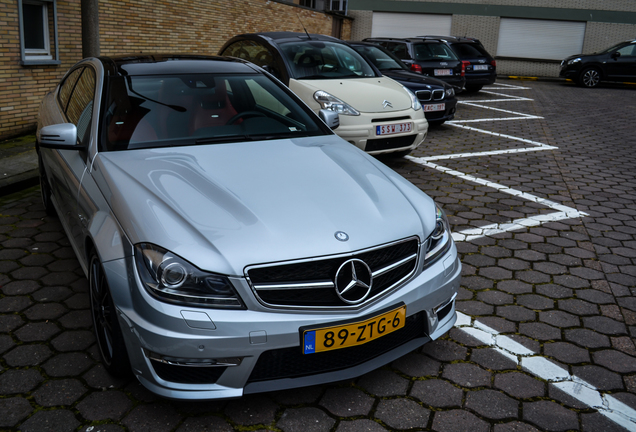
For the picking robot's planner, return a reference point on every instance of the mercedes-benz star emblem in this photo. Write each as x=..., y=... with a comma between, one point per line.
x=353, y=281
x=386, y=104
x=342, y=236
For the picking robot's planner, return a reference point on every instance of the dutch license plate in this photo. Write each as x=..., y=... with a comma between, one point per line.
x=434, y=107
x=440, y=72
x=393, y=128
x=345, y=335
x=480, y=67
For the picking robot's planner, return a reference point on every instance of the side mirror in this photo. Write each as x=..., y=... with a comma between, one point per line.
x=61, y=136
x=331, y=118
x=616, y=55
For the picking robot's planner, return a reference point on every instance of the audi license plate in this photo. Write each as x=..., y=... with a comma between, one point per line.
x=393, y=128
x=349, y=334
x=441, y=72
x=434, y=107
x=480, y=67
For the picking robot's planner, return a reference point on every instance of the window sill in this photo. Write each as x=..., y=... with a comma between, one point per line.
x=40, y=62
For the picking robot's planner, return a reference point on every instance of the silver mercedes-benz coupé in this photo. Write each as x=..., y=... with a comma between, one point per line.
x=232, y=242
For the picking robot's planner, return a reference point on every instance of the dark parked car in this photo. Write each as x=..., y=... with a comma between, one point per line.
x=437, y=97
x=432, y=57
x=616, y=63
x=481, y=67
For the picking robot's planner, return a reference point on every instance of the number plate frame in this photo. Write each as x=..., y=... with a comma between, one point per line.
x=434, y=107
x=443, y=72
x=395, y=128
x=314, y=339
x=480, y=67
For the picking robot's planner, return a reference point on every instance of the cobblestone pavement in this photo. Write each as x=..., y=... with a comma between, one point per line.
x=546, y=228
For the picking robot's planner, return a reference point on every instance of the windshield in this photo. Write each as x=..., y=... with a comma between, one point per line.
x=325, y=60
x=192, y=109
x=380, y=58
x=433, y=52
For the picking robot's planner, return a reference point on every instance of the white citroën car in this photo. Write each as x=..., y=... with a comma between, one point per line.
x=232, y=242
x=377, y=114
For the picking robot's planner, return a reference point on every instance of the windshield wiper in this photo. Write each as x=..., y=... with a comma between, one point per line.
x=223, y=139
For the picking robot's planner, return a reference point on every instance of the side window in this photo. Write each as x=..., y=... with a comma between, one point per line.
x=66, y=88
x=80, y=106
x=399, y=49
x=254, y=52
x=627, y=51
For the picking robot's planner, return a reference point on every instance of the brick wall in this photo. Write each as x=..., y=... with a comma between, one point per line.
x=140, y=26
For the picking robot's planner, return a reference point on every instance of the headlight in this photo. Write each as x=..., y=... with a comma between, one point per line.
x=415, y=103
x=440, y=239
x=170, y=277
x=576, y=60
x=330, y=102
x=450, y=92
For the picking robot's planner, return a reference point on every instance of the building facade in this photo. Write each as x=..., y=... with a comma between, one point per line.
x=41, y=39
x=526, y=37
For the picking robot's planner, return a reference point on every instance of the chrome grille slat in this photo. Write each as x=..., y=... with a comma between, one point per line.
x=310, y=283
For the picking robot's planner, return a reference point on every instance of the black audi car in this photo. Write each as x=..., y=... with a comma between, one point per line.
x=480, y=66
x=437, y=97
x=616, y=63
x=429, y=56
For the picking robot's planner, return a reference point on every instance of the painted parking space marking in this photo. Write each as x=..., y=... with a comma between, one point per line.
x=526, y=359
x=555, y=375
x=563, y=212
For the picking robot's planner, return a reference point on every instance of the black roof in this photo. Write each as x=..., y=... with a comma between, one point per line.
x=165, y=64
x=452, y=39
x=296, y=36
x=410, y=39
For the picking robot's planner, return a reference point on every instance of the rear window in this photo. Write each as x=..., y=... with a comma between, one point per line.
x=469, y=50
x=192, y=109
x=433, y=52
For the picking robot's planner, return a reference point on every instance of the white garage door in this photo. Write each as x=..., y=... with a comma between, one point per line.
x=539, y=39
x=388, y=24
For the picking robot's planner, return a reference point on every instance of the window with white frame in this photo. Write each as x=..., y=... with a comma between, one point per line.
x=37, y=24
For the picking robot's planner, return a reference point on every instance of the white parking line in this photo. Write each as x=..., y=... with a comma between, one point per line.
x=522, y=115
x=555, y=375
x=528, y=360
x=563, y=212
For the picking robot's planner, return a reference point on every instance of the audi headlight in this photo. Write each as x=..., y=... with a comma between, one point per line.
x=450, y=92
x=415, y=103
x=574, y=60
x=440, y=239
x=171, y=278
x=330, y=102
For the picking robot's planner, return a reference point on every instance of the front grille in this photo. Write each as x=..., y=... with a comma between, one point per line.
x=389, y=143
x=292, y=363
x=187, y=374
x=311, y=283
x=390, y=119
x=428, y=95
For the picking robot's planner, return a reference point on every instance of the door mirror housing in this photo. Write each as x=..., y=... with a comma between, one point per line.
x=61, y=136
x=331, y=118
x=616, y=55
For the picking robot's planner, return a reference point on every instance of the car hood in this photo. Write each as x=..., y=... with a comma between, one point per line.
x=225, y=206
x=364, y=94
x=413, y=78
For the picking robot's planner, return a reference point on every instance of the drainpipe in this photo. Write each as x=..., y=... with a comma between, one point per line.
x=90, y=28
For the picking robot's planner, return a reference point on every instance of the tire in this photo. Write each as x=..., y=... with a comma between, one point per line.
x=45, y=190
x=473, y=88
x=110, y=339
x=590, y=77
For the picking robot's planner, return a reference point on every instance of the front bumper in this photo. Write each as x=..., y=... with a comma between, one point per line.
x=182, y=352
x=361, y=131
